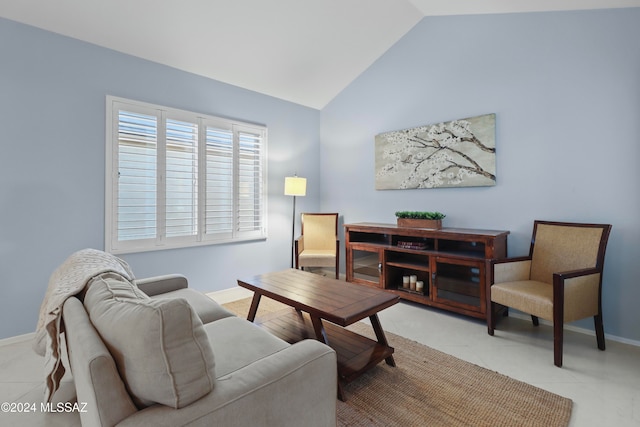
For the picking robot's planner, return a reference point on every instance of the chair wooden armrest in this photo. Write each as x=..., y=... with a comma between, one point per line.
x=504, y=270
x=560, y=281
x=580, y=285
x=320, y=230
x=576, y=273
x=512, y=259
x=510, y=269
x=584, y=277
x=297, y=249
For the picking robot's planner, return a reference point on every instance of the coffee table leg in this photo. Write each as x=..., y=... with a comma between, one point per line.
x=254, y=307
x=341, y=395
x=321, y=335
x=382, y=339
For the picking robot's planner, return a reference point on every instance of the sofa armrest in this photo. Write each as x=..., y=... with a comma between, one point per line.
x=161, y=284
x=96, y=377
x=296, y=386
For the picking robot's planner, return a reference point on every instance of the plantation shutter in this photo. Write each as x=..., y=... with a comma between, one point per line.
x=219, y=182
x=181, y=182
x=250, y=191
x=137, y=176
x=178, y=179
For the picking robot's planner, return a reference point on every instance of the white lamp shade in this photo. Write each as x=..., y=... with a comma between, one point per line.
x=295, y=186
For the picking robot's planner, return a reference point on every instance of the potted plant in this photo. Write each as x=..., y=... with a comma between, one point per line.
x=412, y=219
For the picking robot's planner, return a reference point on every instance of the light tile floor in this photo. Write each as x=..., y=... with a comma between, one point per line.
x=604, y=386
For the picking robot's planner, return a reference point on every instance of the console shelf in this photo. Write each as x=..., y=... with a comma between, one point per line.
x=409, y=266
x=451, y=262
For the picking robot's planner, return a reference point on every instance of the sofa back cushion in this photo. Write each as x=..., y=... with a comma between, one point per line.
x=160, y=346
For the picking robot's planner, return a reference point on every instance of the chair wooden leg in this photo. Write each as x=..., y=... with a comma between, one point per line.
x=535, y=320
x=599, y=331
x=558, y=319
x=558, y=330
x=491, y=322
x=337, y=259
x=489, y=306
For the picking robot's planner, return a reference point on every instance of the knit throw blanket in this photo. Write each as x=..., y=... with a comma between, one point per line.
x=67, y=280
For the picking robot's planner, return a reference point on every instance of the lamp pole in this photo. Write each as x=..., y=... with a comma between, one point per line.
x=294, y=186
x=293, y=229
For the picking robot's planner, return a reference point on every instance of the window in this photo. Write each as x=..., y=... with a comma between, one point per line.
x=176, y=178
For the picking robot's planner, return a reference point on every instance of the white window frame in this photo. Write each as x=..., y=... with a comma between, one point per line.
x=258, y=187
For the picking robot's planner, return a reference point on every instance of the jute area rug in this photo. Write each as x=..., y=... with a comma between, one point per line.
x=431, y=388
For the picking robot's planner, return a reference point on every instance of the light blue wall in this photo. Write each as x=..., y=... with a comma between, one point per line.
x=565, y=88
x=52, y=161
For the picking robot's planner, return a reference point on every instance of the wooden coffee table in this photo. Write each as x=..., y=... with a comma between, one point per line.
x=315, y=298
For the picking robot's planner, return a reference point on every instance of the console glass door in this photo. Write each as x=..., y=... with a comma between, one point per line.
x=366, y=266
x=459, y=283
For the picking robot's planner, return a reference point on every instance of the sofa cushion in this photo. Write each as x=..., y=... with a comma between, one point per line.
x=159, y=345
x=207, y=309
x=238, y=343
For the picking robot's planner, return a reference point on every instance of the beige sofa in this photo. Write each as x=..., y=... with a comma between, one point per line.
x=157, y=353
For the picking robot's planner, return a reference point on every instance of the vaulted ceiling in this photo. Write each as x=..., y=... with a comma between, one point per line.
x=304, y=51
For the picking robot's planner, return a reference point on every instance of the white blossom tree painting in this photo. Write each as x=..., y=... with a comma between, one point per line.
x=459, y=153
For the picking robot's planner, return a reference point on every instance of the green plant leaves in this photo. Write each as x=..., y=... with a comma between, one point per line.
x=420, y=215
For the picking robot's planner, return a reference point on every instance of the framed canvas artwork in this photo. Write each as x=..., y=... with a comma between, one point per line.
x=459, y=153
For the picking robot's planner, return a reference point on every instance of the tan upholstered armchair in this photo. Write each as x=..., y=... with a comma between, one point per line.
x=560, y=280
x=318, y=245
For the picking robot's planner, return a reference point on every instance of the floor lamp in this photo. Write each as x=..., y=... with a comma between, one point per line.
x=294, y=186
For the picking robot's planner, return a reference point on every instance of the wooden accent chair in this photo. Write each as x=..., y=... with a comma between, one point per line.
x=318, y=245
x=560, y=280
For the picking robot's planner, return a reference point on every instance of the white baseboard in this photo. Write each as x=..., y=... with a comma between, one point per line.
x=18, y=339
x=221, y=297
x=233, y=294
x=579, y=330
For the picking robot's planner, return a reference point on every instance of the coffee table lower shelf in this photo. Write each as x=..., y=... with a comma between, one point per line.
x=356, y=353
